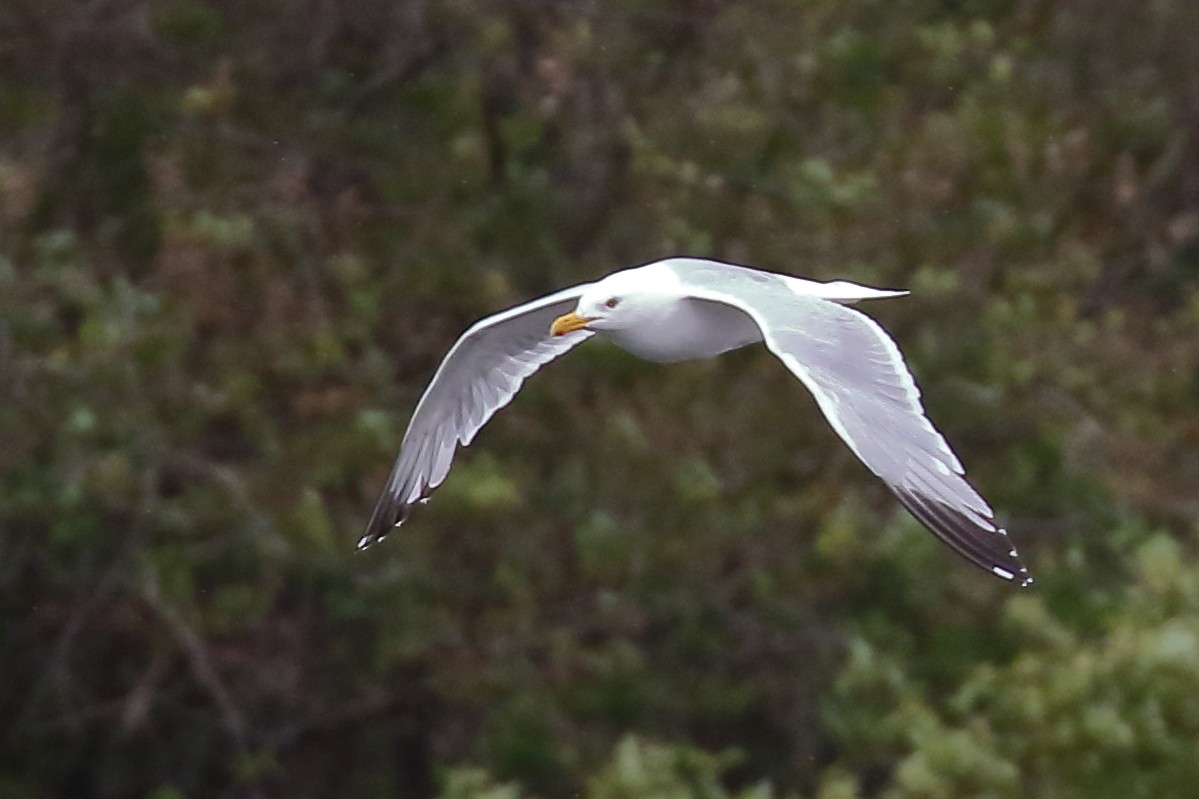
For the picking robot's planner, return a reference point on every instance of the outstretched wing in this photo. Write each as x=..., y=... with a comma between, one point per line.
x=478, y=376
x=861, y=383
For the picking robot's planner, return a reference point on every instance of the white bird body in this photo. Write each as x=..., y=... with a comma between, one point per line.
x=687, y=330
x=673, y=325
x=688, y=308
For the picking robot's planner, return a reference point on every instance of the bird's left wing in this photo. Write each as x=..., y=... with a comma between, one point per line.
x=861, y=383
x=478, y=376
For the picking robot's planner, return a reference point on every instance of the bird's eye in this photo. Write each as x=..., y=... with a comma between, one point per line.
x=612, y=302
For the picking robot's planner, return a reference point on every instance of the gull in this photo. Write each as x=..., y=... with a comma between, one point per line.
x=681, y=309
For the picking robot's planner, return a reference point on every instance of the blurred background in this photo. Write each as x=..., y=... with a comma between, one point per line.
x=236, y=239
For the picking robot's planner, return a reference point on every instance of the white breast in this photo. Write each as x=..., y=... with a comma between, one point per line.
x=687, y=330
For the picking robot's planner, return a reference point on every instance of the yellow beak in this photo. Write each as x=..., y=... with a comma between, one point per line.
x=569, y=323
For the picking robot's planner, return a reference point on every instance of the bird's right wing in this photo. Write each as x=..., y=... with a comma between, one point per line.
x=478, y=376
x=862, y=384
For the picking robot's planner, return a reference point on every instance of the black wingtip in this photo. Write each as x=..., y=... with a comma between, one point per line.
x=389, y=514
x=987, y=549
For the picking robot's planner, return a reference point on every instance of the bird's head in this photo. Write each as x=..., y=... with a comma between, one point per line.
x=620, y=301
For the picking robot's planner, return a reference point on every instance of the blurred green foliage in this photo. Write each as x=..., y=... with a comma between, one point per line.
x=236, y=239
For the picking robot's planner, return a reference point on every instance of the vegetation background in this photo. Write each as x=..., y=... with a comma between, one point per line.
x=237, y=237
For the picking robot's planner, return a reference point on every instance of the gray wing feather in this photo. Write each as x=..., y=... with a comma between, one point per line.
x=479, y=375
x=860, y=381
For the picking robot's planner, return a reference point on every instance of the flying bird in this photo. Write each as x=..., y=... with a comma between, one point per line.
x=681, y=309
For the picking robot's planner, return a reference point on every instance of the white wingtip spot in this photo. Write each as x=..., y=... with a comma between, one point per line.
x=1004, y=573
x=364, y=542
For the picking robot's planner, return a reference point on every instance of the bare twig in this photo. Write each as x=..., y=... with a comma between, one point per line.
x=198, y=658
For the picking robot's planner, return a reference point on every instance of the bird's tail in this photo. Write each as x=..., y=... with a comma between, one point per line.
x=841, y=290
